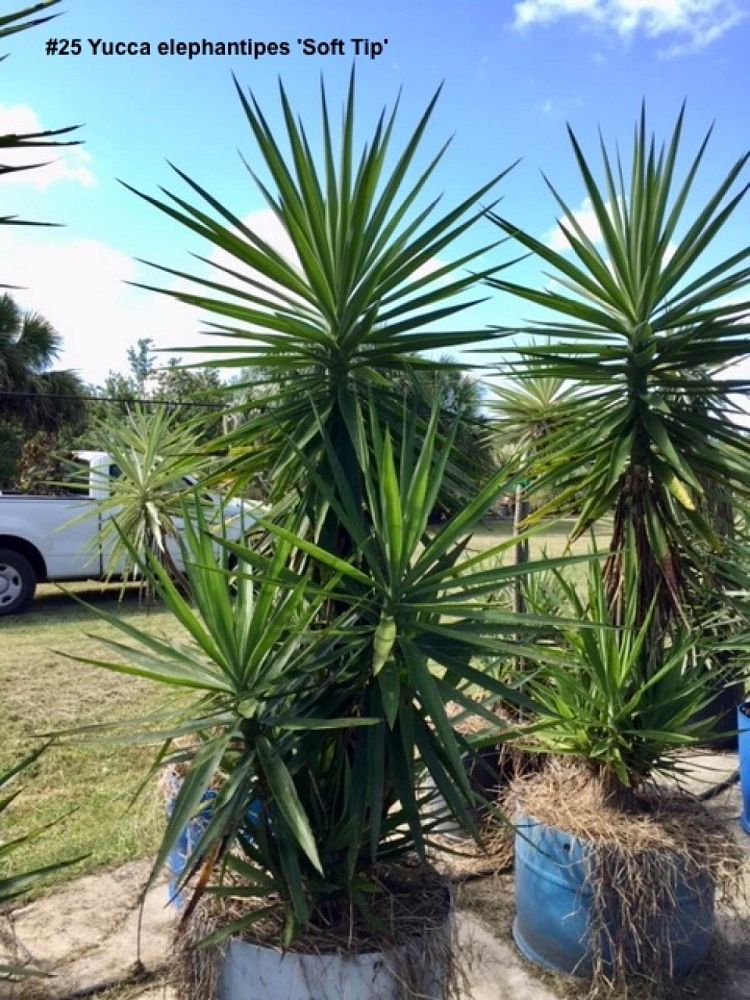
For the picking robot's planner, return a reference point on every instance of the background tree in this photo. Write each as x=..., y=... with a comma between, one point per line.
x=146, y=382
x=142, y=362
x=200, y=387
x=34, y=396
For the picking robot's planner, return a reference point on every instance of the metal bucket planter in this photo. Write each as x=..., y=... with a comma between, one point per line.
x=743, y=725
x=554, y=906
x=254, y=972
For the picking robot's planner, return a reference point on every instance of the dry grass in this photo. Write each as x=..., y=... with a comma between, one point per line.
x=636, y=863
x=86, y=786
x=722, y=975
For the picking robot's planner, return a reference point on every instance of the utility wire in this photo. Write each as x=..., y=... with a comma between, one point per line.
x=109, y=399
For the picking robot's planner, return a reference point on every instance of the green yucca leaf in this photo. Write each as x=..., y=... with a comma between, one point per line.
x=645, y=335
x=349, y=309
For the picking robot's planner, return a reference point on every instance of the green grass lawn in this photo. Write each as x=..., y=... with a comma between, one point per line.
x=551, y=542
x=87, y=787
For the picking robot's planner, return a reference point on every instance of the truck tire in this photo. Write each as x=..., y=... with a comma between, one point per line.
x=17, y=582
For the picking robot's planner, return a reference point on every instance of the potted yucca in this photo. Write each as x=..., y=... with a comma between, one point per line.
x=320, y=687
x=646, y=334
x=616, y=871
x=323, y=664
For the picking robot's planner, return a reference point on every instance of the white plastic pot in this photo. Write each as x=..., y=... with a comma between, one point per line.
x=254, y=972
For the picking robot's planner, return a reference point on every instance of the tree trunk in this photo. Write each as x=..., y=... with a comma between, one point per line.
x=521, y=549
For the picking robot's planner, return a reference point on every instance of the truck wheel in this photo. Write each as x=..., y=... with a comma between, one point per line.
x=17, y=582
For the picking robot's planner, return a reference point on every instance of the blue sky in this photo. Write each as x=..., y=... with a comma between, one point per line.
x=514, y=73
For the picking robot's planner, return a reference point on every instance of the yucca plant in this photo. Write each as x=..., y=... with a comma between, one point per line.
x=13, y=885
x=324, y=703
x=630, y=865
x=527, y=411
x=649, y=324
x=529, y=415
x=618, y=704
x=351, y=309
x=158, y=459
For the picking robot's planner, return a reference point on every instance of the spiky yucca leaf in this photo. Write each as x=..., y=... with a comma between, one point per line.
x=647, y=323
x=11, y=24
x=21, y=20
x=351, y=305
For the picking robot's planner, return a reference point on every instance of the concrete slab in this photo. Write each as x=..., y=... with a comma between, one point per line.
x=494, y=967
x=85, y=936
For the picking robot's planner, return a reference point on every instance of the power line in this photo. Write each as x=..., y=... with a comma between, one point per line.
x=109, y=399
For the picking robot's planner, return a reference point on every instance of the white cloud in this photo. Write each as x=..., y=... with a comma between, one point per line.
x=80, y=286
x=586, y=218
x=560, y=106
x=64, y=163
x=685, y=25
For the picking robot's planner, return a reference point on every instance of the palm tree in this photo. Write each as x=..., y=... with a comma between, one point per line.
x=34, y=394
x=646, y=329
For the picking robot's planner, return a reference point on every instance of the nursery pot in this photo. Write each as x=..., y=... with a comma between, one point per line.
x=743, y=725
x=554, y=907
x=252, y=971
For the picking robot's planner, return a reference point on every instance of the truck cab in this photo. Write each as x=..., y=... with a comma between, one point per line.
x=59, y=537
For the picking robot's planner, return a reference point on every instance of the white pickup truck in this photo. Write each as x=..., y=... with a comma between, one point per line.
x=47, y=538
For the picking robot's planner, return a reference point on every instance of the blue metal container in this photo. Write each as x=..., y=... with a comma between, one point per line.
x=554, y=906
x=743, y=725
x=188, y=839
x=177, y=857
